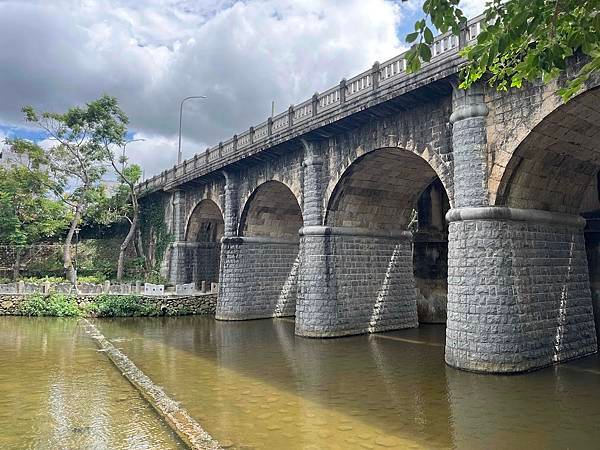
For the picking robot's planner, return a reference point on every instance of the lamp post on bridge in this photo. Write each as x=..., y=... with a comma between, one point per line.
x=180, y=115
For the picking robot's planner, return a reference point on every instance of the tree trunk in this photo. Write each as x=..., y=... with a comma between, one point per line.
x=139, y=248
x=129, y=237
x=70, y=272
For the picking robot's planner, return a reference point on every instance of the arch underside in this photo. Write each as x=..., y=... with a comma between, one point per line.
x=271, y=211
x=379, y=191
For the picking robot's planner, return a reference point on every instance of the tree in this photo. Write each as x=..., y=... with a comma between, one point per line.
x=125, y=203
x=77, y=161
x=520, y=40
x=28, y=211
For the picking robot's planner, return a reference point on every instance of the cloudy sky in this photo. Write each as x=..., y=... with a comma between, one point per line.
x=151, y=53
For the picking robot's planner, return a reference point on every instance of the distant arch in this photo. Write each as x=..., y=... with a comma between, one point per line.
x=205, y=223
x=202, y=248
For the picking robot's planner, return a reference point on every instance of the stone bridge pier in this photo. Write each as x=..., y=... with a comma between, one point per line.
x=259, y=262
x=518, y=288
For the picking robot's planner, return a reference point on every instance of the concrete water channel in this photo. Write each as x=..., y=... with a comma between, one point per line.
x=254, y=385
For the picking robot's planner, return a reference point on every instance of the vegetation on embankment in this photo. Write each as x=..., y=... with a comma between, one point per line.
x=104, y=305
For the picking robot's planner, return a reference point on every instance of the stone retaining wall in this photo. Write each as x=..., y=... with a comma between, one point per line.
x=170, y=305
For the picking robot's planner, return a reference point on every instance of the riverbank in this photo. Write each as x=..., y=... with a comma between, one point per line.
x=106, y=305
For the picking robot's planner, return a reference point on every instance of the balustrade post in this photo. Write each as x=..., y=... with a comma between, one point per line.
x=251, y=135
x=462, y=36
x=343, y=92
x=291, y=116
x=235, y=143
x=375, y=75
x=315, y=103
x=220, y=149
x=206, y=154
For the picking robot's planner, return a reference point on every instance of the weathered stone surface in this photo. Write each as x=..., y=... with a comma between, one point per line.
x=368, y=162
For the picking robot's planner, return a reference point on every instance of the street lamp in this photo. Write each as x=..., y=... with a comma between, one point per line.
x=125, y=145
x=180, y=114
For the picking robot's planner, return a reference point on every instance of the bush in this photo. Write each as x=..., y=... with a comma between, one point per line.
x=122, y=305
x=58, y=305
x=97, y=279
x=50, y=279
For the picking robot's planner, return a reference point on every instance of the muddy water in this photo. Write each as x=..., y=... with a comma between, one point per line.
x=255, y=385
x=58, y=392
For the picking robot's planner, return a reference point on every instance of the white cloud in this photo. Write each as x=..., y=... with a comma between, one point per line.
x=157, y=153
x=152, y=53
x=472, y=8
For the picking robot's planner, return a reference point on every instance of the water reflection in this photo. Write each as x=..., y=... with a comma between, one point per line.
x=58, y=391
x=257, y=385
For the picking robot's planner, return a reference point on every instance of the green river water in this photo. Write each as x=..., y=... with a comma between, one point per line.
x=254, y=385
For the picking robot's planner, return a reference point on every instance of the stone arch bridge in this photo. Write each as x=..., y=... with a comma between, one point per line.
x=395, y=198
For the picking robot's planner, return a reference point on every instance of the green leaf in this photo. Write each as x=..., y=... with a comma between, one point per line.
x=410, y=38
x=425, y=52
x=428, y=35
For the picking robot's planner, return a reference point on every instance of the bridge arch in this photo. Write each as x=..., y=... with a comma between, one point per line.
x=554, y=165
x=271, y=210
x=203, y=233
x=205, y=222
x=379, y=190
x=555, y=168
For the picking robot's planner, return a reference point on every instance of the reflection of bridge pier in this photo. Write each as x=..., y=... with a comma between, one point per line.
x=360, y=167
